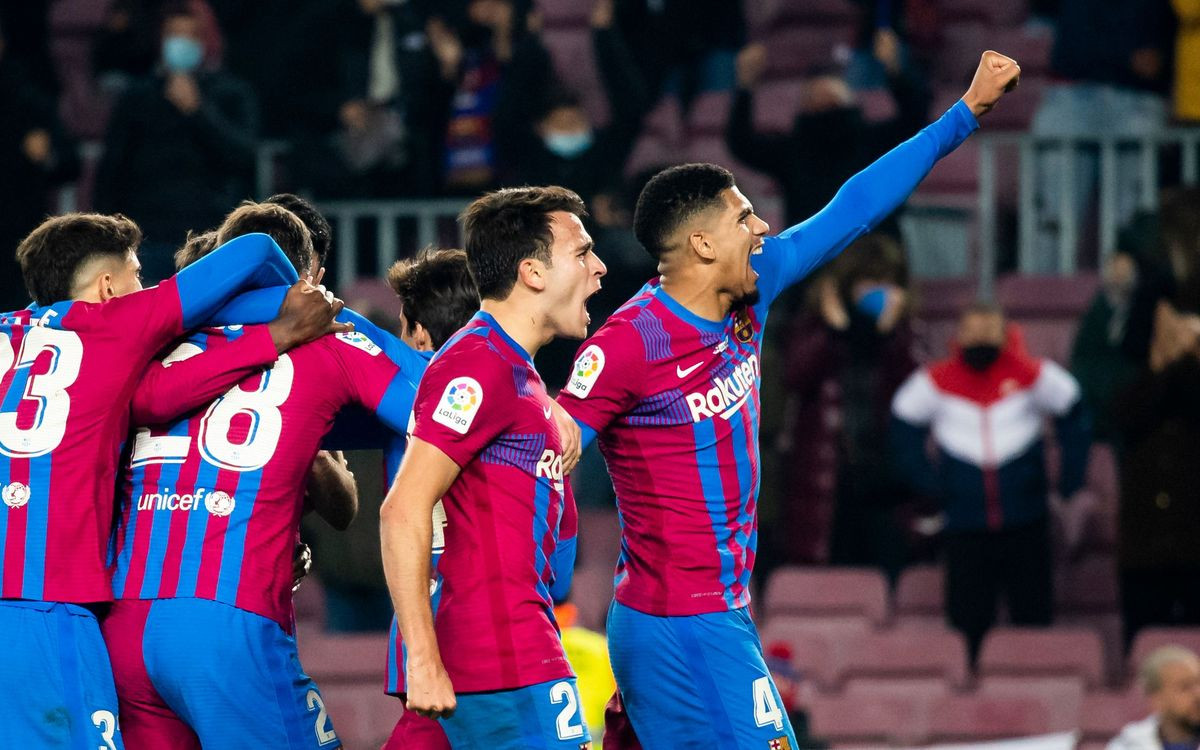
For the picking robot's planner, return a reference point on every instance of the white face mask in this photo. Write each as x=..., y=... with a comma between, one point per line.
x=568, y=145
x=182, y=54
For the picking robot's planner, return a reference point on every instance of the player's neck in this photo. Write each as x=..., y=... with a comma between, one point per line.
x=523, y=323
x=696, y=295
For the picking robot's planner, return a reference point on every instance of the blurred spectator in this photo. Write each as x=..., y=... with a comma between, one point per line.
x=830, y=140
x=1098, y=358
x=36, y=157
x=844, y=358
x=1187, y=61
x=1159, y=447
x=129, y=45
x=180, y=144
x=384, y=144
x=491, y=66
x=563, y=147
x=1170, y=678
x=794, y=690
x=1113, y=68
x=985, y=405
x=684, y=47
x=26, y=26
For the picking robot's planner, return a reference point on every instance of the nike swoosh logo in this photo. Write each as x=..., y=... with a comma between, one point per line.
x=684, y=373
x=547, y=411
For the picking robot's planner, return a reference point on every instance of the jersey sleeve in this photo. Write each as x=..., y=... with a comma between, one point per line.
x=866, y=199
x=1055, y=391
x=381, y=371
x=607, y=377
x=464, y=402
x=256, y=306
x=190, y=377
x=252, y=261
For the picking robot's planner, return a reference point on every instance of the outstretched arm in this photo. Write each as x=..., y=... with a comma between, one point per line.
x=251, y=261
x=869, y=196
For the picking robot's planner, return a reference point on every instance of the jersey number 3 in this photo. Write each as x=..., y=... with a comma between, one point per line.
x=37, y=432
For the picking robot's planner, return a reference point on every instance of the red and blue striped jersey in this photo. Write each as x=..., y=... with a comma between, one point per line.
x=498, y=527
x=67, y=373
x=674, y=400
x=210, y=505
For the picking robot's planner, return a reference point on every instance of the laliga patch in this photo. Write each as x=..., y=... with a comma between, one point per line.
x=587, y=370
x=359, y=341
x=459, y=404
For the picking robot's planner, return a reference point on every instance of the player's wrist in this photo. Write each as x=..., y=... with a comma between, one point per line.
x=282, y=336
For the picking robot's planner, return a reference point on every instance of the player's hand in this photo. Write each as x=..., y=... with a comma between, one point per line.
x=301, y=564
x=995, y=76
x=183, y=92
x=307, y=313
x=751, y=64
x=568, y=436
x=602, y=14
x=430, y=693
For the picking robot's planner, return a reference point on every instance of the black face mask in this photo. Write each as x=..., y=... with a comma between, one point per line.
x=981, y=356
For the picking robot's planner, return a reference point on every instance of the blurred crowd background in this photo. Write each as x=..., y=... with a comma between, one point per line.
x=1073, y=215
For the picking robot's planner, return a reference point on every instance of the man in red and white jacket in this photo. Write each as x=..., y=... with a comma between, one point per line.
x=986, y=405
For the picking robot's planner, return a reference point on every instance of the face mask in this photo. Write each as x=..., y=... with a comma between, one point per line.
x=981, y=356
x=873, y=303
x=182, y=54
x=569, y=145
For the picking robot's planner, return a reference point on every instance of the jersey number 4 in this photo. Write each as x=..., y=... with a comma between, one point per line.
x=28, y=432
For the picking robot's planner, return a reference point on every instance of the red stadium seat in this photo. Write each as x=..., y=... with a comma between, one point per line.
x=709, y=113
x=652, y=152
x=1088, y=586
x=1149, y=639
x=591, y=593
x=1043, y=652
x=371, y=294
x=776, y=104
x=920, y=596
x=828, y=593
x=996, y=13
x=362, y=714
x=905, y=653
x=845, y=719
x=972, y=718
x=564, y=13
x=356, y=657
x=878, y=105
x=814, y=650
x=571, y=50
x=796, y=50
x=1104, y=714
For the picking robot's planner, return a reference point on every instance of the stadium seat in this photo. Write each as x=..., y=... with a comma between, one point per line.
x=976, y=717
x=1149, y=639
x=591, y=593
x=814, y=650
x=564, y=13
x=909, y=653
x=818, y=11
x=575, y=63
x=920, y=596
x=996, y=13
x=371, y=294
x=878, y=105
x=309, y=601
x=337, y=657
x=1088, y=586
x=846, y=719
x=796, y=50
x=1043, y=652
x=1104, y=714
x=1029, y=46
x=362, y=715
x=850, y=593
x=709, y=113
x=77, y=16
x=652, y=152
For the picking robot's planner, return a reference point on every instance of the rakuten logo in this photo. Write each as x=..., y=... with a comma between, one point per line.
x=549, y=466
x=216, y=503
x=727, y=394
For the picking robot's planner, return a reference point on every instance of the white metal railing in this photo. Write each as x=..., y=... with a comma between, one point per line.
x=386, y=215
x=1148, y=150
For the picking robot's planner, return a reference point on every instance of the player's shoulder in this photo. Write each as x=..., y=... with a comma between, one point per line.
x=474, y=356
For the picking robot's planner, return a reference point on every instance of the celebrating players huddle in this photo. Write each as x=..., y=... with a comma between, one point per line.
x=158, y=447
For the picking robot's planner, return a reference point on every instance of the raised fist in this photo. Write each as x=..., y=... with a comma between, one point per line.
x=995, y=76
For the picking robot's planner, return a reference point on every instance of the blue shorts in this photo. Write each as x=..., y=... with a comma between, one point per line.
x=697, y=681
x=55, y=678
x=194, y=672
x=546, y=715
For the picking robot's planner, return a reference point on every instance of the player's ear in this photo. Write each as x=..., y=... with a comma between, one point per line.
x=104, y=287
x=701, y=245
x=422, y=338
x=532, y=273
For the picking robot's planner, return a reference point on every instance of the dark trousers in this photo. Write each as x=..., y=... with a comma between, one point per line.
x=1159, y=596
x=982, y=565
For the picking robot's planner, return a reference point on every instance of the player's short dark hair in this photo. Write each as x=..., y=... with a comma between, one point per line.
x=281, y=224
x=51, y=255
x=195, y=247
x=505, y=227
x=318, y=227
x=674, y=196
x=436, y=290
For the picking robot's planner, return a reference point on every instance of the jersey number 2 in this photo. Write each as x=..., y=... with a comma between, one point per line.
x=559, y=692
x=260, y=408
x=48, y=390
